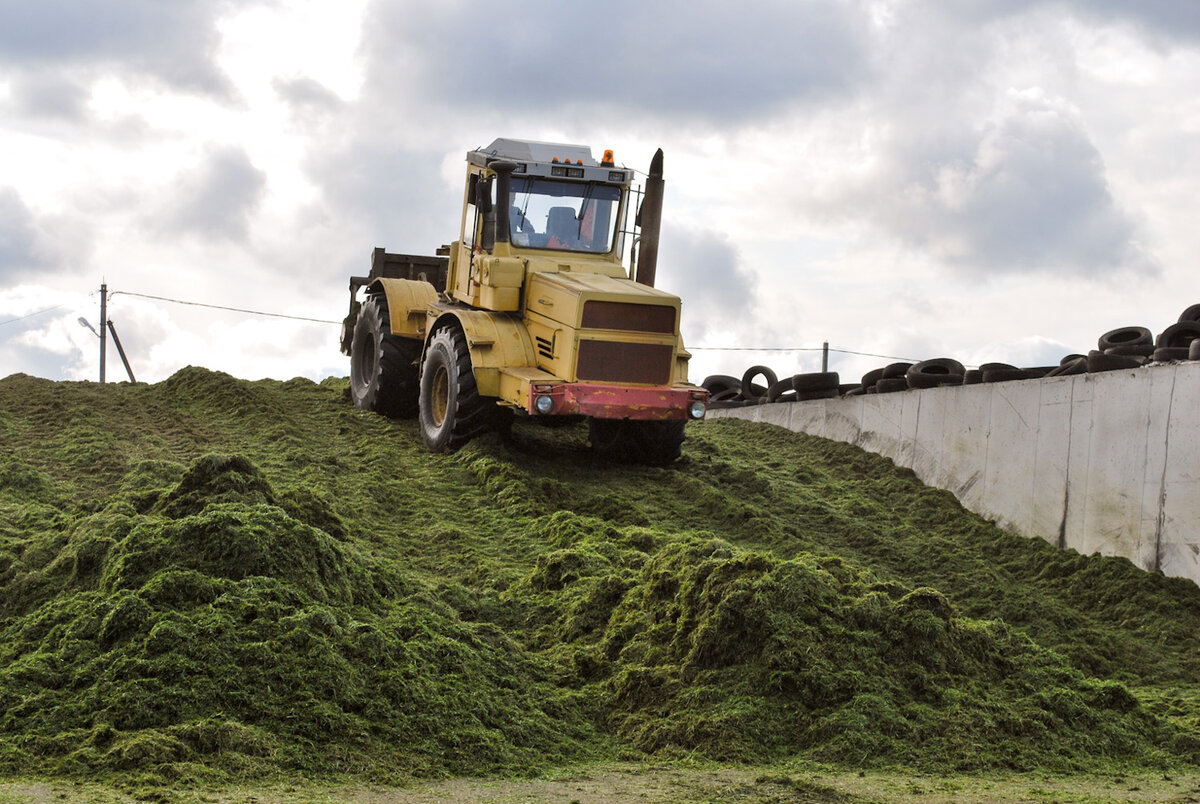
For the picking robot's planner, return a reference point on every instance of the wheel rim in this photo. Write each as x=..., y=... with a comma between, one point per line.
x=441, y=395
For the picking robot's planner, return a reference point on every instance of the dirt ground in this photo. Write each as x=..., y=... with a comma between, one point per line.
x=660, y=785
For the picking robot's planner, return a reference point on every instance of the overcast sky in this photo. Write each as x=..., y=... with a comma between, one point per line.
x=988, y=180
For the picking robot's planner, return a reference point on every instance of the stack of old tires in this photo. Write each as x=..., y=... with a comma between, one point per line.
x=1121, y=348
x=760, y=385
x=1129, y=347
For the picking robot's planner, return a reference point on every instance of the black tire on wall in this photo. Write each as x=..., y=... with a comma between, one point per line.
x=1007, y=374
x=383, y=366
x=935, y=372
x=1077, y=365
x=1125, y=336
x=1166, y=354
x=1179, y=335
x=890, y=385
x=780, y=388
x=816, y=381
x=892, y=370
x=1133, y=349
x=750, y=388
x=871, y=377
x=722, y=387
x=1098, y=361
x=1191, y=314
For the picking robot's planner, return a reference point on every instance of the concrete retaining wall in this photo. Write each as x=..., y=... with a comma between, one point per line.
x=1106, y=463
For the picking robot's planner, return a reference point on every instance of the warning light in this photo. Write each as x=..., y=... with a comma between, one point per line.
x=607, y=161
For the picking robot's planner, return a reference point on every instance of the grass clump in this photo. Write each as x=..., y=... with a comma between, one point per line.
x=210, y=579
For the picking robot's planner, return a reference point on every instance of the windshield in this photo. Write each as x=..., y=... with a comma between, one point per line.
x=566, y=215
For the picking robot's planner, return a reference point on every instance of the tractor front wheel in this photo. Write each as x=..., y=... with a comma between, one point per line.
x=451, y=409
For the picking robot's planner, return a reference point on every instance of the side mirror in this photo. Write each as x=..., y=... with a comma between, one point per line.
x=483, y=196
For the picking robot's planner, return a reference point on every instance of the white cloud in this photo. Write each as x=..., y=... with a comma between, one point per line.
x=897, y=177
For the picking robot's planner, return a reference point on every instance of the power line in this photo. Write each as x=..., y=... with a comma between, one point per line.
x=31, y=315
x=221, y=307
x=794, y=349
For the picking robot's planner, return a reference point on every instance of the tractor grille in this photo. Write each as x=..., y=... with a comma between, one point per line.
x=629, y=317
x=608, y=361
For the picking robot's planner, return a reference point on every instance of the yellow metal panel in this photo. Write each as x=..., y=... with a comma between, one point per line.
x=495, y=342
x=501, y=272
x=500, y=299
x=561, y=296
x=515, y=382
x=408, y=300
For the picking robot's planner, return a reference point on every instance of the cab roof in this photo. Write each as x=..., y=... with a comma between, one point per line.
x=534, y=151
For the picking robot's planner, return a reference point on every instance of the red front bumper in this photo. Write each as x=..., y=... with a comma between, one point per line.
x=660, y=402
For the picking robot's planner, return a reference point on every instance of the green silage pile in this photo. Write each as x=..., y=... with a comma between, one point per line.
x=210, y=578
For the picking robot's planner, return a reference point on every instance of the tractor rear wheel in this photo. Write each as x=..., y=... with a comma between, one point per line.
x=654, y=443
x=383, y=366
x=451, y=410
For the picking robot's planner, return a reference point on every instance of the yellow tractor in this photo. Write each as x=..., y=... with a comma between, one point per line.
x=531, y=312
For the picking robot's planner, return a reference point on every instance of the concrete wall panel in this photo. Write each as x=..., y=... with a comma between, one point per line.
x=1106, y=463
x=1049, y=507
x=1117, y=468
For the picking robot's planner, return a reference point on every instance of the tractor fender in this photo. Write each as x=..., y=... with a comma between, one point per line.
x=495, y=341
x=408, y=301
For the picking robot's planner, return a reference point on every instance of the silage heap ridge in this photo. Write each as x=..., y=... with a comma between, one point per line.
x=212, y=578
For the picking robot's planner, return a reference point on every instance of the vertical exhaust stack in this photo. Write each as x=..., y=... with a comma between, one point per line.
x=649, y=219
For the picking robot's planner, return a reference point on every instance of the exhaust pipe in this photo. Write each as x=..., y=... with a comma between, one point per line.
x=649, y=220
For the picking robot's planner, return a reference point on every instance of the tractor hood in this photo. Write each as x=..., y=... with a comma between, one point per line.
x=596, y=301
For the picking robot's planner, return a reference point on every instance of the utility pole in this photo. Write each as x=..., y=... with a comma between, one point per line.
x=120, y=351
x=825, y=356
x=103, y=323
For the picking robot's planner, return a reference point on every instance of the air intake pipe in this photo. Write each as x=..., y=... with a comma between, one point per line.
x=649, y=220
x=500, y=213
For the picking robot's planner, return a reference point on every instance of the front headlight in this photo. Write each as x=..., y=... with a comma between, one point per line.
x=696, y=409
x=543, y=404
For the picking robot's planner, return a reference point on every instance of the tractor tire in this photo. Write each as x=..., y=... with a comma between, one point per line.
x=653, y=443
x=1191, y=314
x=451, y=410
x=383, y=366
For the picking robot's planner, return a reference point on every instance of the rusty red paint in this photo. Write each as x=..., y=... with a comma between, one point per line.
x=617, y=401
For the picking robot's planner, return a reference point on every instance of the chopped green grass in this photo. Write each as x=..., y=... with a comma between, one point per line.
x=210, y=580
